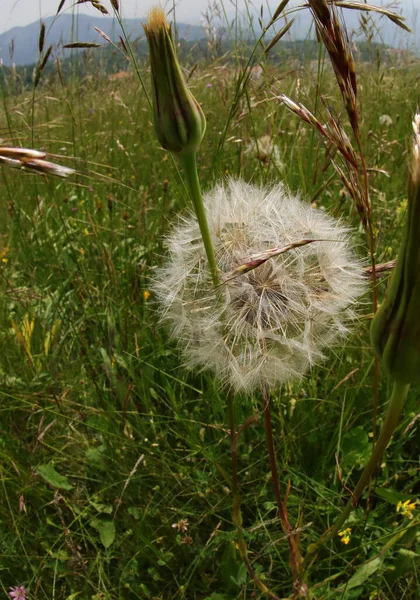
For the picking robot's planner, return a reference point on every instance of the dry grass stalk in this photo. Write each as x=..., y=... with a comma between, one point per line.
x=82, y=45
x=41, y=65
x=333, y=133
x=278, y=36
x=60, y=6
x=41, y=39
x=102, y=34
x=392, y=16
x=32, y=160
x=98, y=5
x=335, y=40
x=277, y=13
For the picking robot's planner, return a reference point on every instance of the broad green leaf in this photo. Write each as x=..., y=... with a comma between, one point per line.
x=54, y=478
x=364, y=572
x=231, y=567
x=390, y=496
x=106, y=530
x=134, y=512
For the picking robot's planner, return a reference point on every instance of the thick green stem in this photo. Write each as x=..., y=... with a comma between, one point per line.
x=395, y=407
x=189, y=164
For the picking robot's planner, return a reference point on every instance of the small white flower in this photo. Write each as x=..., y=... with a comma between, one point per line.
x=181, y=525
x=270, y=324
x=385, y=120
x=265, y=151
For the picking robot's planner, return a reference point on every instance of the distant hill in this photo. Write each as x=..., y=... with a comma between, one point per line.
x=65, y=29
x=23, y=41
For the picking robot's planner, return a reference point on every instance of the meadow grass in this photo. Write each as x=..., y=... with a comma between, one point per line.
x=108, y=445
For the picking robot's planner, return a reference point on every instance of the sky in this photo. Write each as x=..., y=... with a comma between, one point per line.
x=22, y=12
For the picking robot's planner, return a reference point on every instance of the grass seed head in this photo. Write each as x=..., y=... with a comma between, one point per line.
x=271, y=323
x=32, y=160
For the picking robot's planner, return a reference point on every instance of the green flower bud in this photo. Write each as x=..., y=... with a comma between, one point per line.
x=179, y=121
x=395, y=330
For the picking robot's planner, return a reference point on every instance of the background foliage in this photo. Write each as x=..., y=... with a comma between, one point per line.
x=107, y=444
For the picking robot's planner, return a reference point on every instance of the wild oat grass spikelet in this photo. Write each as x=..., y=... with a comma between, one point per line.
x=269, y=324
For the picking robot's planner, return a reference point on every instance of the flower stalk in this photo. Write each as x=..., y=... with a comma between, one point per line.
x=189, y=164
x=179, y=121
x=295, y=557
x=236, y=502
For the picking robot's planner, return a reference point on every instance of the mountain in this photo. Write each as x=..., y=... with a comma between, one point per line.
x=19, y=45
x=65, y=29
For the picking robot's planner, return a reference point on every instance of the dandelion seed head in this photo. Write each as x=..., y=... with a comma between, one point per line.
x=270, y=324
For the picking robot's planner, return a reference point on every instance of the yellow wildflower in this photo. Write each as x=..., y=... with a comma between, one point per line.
x=406, y=508
x=146, y=295
x=345, y=535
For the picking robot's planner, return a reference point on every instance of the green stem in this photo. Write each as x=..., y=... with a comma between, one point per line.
x=395, y=407
x=189, y=164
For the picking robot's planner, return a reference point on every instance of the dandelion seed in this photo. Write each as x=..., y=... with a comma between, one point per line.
x=270, y=324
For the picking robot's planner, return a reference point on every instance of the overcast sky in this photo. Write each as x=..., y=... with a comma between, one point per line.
x=21, y=12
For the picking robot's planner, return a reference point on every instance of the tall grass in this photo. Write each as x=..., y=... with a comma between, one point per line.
x=107, y=443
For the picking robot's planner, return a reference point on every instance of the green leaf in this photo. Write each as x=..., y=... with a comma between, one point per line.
x=134, y=512
x=106, y=530
x=242, y=575
x=102, y=508
x=355, y=448
x=231, y=567
x=51, y=476
x=390, y=496
x=364, y=572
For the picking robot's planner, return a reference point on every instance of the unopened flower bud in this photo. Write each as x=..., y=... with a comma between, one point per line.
x=179, y=121
x=395, y=330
